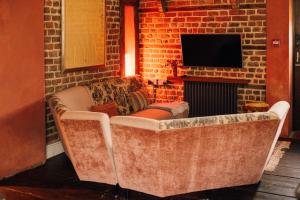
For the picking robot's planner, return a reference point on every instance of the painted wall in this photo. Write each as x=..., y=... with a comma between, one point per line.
x=279, y=59
x=22, y=127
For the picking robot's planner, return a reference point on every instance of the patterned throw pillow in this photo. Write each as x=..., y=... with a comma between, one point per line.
x=119, y=94
x=134, y=83
x=101, y=92
x=121, y=99
x=113, y=90
x=138, y=100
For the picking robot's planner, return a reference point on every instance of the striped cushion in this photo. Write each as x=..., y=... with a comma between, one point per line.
x=138, y=100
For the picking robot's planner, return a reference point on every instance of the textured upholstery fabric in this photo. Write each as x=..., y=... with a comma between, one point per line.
x=138, y=100
x=87, y=140
x=181, y=161
x=102, y=118
x=109, y=108
x=153, y=114
x=186, y=155
x=159, y=125
x=216, y=120
x=86, y=137
x=88, y=151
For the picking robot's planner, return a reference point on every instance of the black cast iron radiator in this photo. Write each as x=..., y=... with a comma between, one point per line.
x=208, y=98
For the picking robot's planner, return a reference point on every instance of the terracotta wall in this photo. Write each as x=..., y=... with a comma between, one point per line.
x=22, y=126
x=56, y=80
x=279, y=58
x=160, y=41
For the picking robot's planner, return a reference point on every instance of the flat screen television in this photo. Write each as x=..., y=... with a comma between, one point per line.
x=212, y=50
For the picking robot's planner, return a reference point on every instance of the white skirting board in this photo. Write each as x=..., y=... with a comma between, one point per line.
x=54, y=149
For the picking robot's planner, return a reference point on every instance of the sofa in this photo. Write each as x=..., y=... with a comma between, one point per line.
x=86, y=135
x=170, y=157
x=129, y=95
x=164, y=157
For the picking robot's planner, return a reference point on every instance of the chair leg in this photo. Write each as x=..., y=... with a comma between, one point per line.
x=117, y=191
x=127, y=194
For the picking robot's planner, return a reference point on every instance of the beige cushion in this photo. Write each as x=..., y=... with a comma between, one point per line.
x=179, y=109
x=153, y=114
x=76, y=98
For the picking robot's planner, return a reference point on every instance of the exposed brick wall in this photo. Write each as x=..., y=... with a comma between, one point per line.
x=56, y=80
x=160, y=41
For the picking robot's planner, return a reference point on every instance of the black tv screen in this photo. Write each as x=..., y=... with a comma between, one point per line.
x=212, y=50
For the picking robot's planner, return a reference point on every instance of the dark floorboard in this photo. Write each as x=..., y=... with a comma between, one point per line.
x=286, y=171
x=57, y=180
x=278, y=185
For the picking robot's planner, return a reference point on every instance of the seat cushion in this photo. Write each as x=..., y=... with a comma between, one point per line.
x=179, y=109
x=153, y=114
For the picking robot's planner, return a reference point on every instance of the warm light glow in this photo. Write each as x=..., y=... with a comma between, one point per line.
x=129, y=41
x=129, y=65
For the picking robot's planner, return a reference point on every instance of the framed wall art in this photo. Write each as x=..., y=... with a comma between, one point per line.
x=83, y=34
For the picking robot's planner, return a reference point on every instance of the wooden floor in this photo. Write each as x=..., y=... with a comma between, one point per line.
x=295, y=135
x=57, y=180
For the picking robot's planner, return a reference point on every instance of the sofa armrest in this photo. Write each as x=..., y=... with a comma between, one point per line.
x=87, y=140
x=102, y=118
x=281, y=109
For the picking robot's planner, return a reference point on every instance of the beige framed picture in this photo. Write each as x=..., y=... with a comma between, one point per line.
x=83, y=34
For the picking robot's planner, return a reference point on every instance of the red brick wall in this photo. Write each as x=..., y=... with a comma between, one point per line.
x=160, y=41
x=56, y=80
